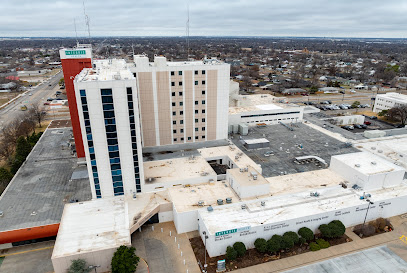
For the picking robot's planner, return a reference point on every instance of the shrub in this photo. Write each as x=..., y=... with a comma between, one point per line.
x=287, y=242
x=381, y=223
x=231, y=253
x=325, y=231
x=124, y=260
x=306, y=233
x=322, y=243
x=294, y=236
x=261, y=245
x=365, y=231
x=277, y=238
x=302, y=241
x=240, y=248
x=337, y=228
x=314, y=246
x=273, y=245
x=78, y=266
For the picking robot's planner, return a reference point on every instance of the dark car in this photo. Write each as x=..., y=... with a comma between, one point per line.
x=373, y=117
x=399, y=126
x=358, y=126
x=50, y=99
x=364, y=126
x=342, y=92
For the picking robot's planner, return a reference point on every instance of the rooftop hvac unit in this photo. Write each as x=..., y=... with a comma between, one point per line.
x=254, y=177
x=228, y=200
x=357, y=165
x=263, y=203
x=373, y=162
x=1, y=213
x=220, y=202
x=236, y=157
x=244, y=206
x=209, y=208
x=204, y=174
x=201, y=203
x=246, y=169
x=241, y=170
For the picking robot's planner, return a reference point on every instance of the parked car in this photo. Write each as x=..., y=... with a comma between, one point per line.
x=329, y=102
x=50, y=99
x=358, y=126
x=46, y=103
x=399, y=125
x=373, y=117
x=324, y=102
x=364, y=126
x=342, y=92
x=367, y=123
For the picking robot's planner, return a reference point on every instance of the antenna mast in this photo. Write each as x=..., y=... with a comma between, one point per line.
x=86, y=19
x=76, y=32
x=187, y=32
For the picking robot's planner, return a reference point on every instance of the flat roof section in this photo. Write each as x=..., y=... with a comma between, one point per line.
x=291, y=206
x=186, y=199
x=92, y=226
x=367, y=163
x=232, y=152
x=43, y=185
x=256, y=141
x=303, y=181
x=246, y=178
x=176, y=169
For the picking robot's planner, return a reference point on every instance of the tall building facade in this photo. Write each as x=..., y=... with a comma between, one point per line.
x=108, y=112
x=126, y=106
x=74, y=60
x=182, y=102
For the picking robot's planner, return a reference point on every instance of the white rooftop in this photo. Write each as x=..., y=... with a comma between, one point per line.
x=232, y=152
x=91, y=226
x=106, y=70
x=177, y=169
x=367, y=163
x=256, y=141
x=269, y=107
x=285, y=207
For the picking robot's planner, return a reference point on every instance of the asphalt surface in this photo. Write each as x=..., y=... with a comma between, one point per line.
x=39, y=95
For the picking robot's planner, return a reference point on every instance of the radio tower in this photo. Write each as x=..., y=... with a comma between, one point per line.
x=187, y=32
x=86, y=19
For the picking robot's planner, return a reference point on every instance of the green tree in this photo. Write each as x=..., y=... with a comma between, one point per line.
x=23, y=148
x=383, y=113
x=277, y=238
x=355, y=104
x=314, y=246
x=273, y=245
x=313, y=89
x=306, y=233
x=261, y=245
x=231, y=253
x=325, y=231
x=124, y=260
x=240, y=248
x=322, y=243
x=61, y=81
x=337, y=228
x=78, y=266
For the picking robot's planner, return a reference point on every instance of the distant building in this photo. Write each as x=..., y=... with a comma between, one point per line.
x=388, y=101
x=293, y=91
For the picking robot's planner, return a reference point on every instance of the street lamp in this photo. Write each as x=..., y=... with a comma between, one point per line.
x=206, y=237
x=367, y=211
x=94, y=267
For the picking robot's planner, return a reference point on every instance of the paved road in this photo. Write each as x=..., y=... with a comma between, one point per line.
x=39, y=95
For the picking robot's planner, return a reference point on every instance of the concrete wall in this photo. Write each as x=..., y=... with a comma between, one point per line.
x=287, y=115
x=216, y=245
x=100, y=257
x=185, y=221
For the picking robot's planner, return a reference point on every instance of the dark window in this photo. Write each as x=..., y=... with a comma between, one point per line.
x=107, y=99
x=196, y=129
x=203, y=128
x=172, y=73
x=180, y=93
x=180, y=83
x=175, y=139
x=172, y=83
x=174, y=113
x=203, y=111
x=196, y=82
x=182, y=139
x=173, y=104
x=203, y=137
x=182, y=130
x=203, y=102
x=189, y=138
x=83, y=100
x=106, y=92
x=174, y=131
x=196, y=137
x=203, y=120
x=174, y=122
x=196, y=102
x=173, y=94
x=196, y=72
x=203, y=72
x=129, y=91
x=181, y=112
x=180, y=73
x=181, y=121
x=181, y=103
x=196, y=120
x=203, y=92
x=196, y=111
x=203, y=82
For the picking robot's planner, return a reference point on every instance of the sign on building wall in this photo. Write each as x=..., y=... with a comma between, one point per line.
x=230, y=231
x=75, y=53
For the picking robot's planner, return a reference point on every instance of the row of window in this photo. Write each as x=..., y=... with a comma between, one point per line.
x=181, y=83
x=189, y=138
x=181, y=93
x=90, y=144
x=203, y=72
x=174, y=113
x=182, y=130
x=133, y=138
x=111, y=135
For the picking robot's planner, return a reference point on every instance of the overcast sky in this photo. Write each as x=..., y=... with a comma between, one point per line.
x=320, y=18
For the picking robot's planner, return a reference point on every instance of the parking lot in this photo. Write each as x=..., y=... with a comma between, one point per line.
x=285, y=145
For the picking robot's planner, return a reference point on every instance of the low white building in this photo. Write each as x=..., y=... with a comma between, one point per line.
x=247, y=182
x=367, y=171
x=388, y=101
x=349, y=120
x=263, y=109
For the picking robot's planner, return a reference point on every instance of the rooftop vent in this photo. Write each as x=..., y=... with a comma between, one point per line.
x=373, y=162
x=209, y=208
x=1, y=213
x=33, y=213
x=201, y=203
x=379, y=151
x=220, y=202
x=314, y=194
x=228, y=200
x=357, y=165
x=244, y=206
x=263, y=203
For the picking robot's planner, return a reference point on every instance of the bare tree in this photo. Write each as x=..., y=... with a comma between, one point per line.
x=398, y=113
x=37, y=113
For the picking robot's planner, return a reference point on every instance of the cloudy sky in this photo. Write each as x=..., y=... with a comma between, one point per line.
x=319, y=18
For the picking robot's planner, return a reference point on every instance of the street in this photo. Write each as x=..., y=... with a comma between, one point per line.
x=39, y=95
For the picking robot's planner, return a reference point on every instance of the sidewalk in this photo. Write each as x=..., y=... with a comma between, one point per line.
x=391, y=239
